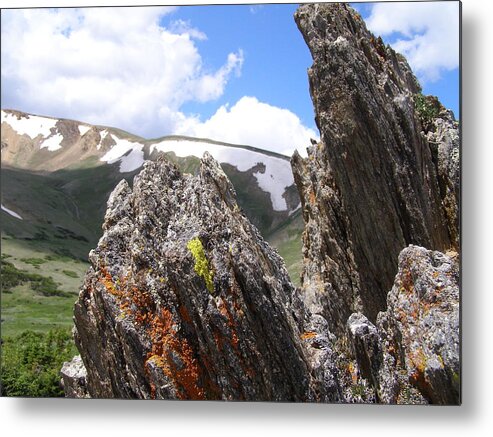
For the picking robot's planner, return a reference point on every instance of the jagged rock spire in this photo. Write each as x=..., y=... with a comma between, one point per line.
x=371, y=186
x=185, y=300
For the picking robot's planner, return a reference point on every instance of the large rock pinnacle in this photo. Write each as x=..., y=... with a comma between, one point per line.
x=372, y=185
x=185, y=300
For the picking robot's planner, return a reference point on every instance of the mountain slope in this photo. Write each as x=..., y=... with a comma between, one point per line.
x=57, y=175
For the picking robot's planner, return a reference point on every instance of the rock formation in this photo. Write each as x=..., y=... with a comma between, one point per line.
x=442, y=133
x=421, y=325
x=185, y=300
x=412, y=354
x=374, y=184
x=74, y=378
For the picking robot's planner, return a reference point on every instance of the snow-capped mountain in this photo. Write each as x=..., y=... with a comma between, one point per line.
x=44, y=143
x=57, y=175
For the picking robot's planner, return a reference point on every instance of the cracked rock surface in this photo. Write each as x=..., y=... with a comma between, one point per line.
x=149, y=325
x=374, y=184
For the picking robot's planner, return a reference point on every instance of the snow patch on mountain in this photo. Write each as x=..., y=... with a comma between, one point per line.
x=274, y=180
x=52, y=143
x=30, y=125
x=132, y=161
x=12, y=213
x=296, y=209
x=83, y=129
x=130, y=154
x=103, y=134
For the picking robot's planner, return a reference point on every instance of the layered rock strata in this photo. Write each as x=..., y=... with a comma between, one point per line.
x=374, y=184
x=185, y=300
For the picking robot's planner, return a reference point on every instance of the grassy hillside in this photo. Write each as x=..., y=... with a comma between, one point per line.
x=287, y=240
x=32, y=304
x=62, y=211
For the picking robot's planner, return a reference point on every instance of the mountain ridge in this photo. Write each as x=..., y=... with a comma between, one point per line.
x=78, y=174
x=47, y=143
x=152, y=139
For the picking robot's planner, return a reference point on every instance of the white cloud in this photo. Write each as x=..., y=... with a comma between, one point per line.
x=256, y=124
x=182, y=26
x=211, y=86
x=119, y=67
x=429, y=34
x=113, y=66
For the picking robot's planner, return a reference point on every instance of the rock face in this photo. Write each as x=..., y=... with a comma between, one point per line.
x=443, y=138
x=412, y=354
x=421, y=324
x=373, y=185
x=74, y=378
x=185, y=300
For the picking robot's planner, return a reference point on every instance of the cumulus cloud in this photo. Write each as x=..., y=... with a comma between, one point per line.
x=120, y=67
x=112, y=66
x=427, y=33
x=254, y=123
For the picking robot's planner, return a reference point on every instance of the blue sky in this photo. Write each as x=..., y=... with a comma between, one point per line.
x=276, y=57
x=233, y=73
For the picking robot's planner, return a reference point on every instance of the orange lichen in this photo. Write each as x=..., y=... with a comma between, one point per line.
x=218, y=339
x=407, y=284
x=153, y=391
x=174, y=356
x=418, y=359
x=185, y=316
x=250, y=372
x=353, y=372
x=107, y=281
x=224, y=310
x=308, y=335
x=392, y=350
x=312, y=197
x=168, y=351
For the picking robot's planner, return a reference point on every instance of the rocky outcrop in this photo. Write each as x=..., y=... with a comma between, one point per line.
x=374, y=184
x=187, y=301
x=366, y=346
x=412, y=354
x=74, y=378
x=421, y=325
x=444, y=140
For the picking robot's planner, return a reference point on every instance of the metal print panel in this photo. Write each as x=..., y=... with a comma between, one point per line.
x=245, y=203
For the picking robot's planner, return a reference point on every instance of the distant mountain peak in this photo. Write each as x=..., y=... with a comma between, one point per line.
x=27, y=138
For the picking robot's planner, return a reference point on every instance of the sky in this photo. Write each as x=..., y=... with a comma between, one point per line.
x=231, y=73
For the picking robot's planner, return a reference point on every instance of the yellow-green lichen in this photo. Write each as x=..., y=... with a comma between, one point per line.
x=201, y=264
